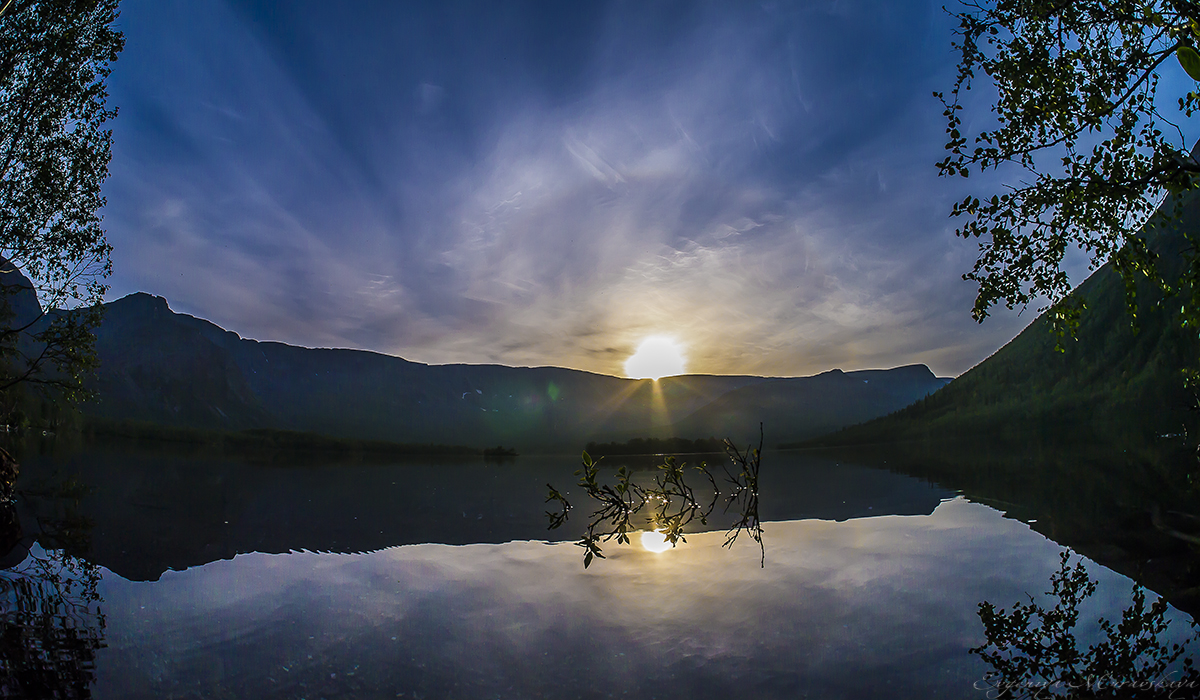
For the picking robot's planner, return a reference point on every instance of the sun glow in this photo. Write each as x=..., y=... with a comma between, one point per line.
x=657, y=356
x=655, y=541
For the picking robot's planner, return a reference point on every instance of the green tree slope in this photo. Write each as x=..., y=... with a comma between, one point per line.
x=1110, y=381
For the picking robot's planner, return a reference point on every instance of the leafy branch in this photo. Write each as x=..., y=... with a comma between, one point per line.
x=1077, y=109
x=671, y=502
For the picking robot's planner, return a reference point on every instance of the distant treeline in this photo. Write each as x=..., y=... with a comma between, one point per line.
x=262, y=439
x=656, y=446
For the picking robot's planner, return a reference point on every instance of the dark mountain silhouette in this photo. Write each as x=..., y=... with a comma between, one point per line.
x=806, y=407
x=19, y=305
x=160, y=367
x=1110, y=381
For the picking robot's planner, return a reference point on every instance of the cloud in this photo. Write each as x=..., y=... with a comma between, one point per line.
x=748, y=179
x=429, y=97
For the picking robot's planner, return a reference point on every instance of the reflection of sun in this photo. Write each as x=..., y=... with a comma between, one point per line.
x=655, y=541
x=657, y=356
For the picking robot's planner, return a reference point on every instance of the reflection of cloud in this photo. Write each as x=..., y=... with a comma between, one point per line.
x=852, y=606
x=737, y=177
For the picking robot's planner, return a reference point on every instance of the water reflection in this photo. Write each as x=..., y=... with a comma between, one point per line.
x=155, y=512
x=655, y=541
x=872, y=589
x=871, y=607
x=676, y=499
x=51, y=624
x=1117, y=505
x=1038, y=651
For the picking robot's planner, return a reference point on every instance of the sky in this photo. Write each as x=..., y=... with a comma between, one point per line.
x=549, y=183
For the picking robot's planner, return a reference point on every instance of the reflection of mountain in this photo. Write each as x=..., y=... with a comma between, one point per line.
x=153, y=513
x=161, y=367
x=1098, y=501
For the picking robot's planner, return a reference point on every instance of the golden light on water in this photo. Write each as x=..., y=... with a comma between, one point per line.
x=657, y=356
x=655, y=541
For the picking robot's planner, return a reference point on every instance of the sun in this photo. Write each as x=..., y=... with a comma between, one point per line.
x=657, y=356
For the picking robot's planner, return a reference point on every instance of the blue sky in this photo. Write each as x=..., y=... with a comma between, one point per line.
x=547, y=183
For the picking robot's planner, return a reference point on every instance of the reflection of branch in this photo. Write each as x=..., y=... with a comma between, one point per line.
x=51, y=623
x=745, y=493
x=51, y=627
x=618, y=504
x=63, y=536
x=1034, y=652
x=57, y=584
x=672, y=489
x=674, y=501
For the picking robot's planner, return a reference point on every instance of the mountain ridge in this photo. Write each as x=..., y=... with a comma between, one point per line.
x=159, y=366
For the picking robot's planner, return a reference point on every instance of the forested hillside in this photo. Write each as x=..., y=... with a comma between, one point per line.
x=1111, y=379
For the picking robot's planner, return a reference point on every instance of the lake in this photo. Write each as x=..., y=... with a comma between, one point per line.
x=437, y=578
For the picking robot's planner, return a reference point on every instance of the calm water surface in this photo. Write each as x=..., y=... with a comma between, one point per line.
x=435, y=579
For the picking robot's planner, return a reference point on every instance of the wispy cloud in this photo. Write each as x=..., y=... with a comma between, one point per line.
x=754, y=180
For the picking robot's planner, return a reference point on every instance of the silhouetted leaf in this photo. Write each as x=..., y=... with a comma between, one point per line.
x=1190, y=60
